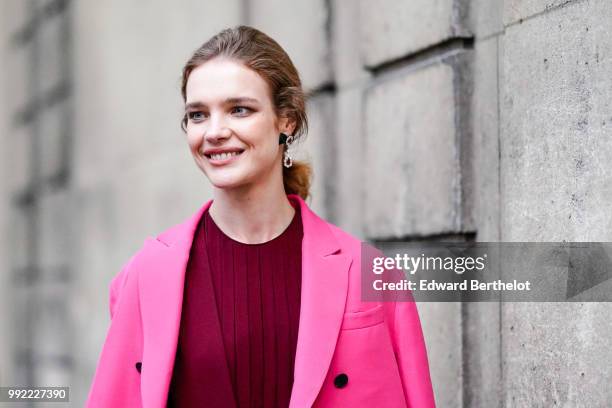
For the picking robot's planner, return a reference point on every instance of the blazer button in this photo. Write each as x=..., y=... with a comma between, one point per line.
x=341, y=380
x=139, y=366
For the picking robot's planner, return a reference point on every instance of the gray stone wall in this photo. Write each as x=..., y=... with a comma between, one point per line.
x=484, y=120
x=555, y=123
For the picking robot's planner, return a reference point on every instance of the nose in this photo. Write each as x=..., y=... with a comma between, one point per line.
x=217, y=130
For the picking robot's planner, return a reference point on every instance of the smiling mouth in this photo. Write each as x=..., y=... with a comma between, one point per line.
x=218, y=157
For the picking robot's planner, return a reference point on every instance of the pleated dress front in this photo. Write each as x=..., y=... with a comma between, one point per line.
x=239, y=320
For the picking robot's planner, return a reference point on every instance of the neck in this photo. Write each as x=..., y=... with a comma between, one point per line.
x=252, y=215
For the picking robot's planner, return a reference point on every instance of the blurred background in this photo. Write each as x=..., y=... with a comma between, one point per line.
x=486, y=120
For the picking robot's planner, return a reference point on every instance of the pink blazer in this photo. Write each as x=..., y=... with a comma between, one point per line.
x=378, y=346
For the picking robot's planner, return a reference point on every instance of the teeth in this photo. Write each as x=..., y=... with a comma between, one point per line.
x=223, y=156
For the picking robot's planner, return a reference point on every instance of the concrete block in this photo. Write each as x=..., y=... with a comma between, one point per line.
x=18, y=164
x=416, y=141
x=95, y=260
x=555, y=150
x=485, y=166
x=51, y=53
x=14, y=14
x=347, y=65
x=55, y=231
x=556, y=354
x=18, y=317
x=555, y=122
x=441, y=323
x=50, y=6
x=51, y=322
x=302, y=28
x=392, y=29
x=482, y=374
x=57, y=374
x=486, y=17
x=18, y=250
x=350, y=160
x=516, y=10
x=319, y=149
x=53, y=139
x=17, y=82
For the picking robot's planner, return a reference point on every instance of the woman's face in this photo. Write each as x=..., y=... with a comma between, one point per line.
x=232, y=129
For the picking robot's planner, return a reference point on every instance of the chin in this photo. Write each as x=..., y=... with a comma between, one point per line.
x=229, y=181
x=227, y=185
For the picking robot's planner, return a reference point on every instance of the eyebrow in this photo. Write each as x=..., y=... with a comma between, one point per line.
x=228, y=101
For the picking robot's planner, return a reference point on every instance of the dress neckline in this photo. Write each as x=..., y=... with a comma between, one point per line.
x=211, y=223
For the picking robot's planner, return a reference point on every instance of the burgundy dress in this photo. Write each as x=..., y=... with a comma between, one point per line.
x=239, y=321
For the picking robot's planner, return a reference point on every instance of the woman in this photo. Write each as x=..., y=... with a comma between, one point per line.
x=208, y=312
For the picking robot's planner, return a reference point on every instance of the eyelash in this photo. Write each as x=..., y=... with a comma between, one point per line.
x=191, y=115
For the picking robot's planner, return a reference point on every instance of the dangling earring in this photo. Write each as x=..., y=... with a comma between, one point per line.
x=287, y=160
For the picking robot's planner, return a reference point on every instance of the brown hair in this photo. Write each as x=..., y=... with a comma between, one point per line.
x=265, y=56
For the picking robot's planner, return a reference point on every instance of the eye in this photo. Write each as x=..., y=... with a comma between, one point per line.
x=196, y=116
x=241, y=110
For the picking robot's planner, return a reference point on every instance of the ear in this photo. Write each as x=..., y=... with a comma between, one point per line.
x=286, y=125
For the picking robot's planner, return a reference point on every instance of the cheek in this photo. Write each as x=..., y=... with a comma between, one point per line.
x=267, y=148
x=194, y=140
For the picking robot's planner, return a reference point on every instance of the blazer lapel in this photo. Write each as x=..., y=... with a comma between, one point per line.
x=323, y=297
x=161, y=283
x=162, y=267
